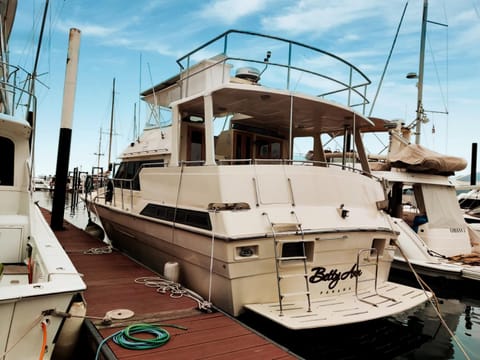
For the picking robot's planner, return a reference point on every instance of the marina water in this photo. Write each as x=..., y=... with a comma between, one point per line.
x=419, y=335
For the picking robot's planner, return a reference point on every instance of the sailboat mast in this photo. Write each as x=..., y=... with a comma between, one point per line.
x=99, y=149
x=418, y=120
x=37, y=56
x=111, y=124
x=134, y=121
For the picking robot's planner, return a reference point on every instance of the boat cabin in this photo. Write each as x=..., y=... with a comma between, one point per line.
x=225, y=115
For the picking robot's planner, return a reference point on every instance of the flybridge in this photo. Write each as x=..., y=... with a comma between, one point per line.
x=328, y=75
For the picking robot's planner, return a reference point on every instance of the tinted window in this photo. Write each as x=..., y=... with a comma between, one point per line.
x=129, y=170
x=194, y=218
x=7, y=160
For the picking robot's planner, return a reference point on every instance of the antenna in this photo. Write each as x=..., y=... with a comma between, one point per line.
x=266, y=60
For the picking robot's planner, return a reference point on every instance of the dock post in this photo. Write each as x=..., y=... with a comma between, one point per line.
x=63, y=155
x=473, y=165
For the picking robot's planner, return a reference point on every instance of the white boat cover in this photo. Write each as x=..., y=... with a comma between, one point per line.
x=448, y=215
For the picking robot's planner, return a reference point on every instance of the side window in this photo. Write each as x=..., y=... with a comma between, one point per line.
x=303, y=148
x=243, y=146
x=196, y=145
x=126, y=172
x=268, y=148
x=276, y=149
x=7, y=161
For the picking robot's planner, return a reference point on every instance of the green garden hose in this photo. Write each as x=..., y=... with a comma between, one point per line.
x=125, y=338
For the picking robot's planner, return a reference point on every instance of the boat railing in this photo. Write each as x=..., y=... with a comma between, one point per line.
x=127, y=186
x=287, y=162
x=15, y=93
x=191, y=162
x=247, y=161
x=335, y=76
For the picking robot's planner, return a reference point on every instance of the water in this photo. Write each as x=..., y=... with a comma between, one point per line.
x=76, y=214
x=419, y=335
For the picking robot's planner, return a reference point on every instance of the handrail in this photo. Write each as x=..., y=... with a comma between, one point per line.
x=10, y=92
x=295, y=163
x=225, y=162
x=361, y=80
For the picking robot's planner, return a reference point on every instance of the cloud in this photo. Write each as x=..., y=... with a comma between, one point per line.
x=89, y=29
x=230, y=11
x=312, y=16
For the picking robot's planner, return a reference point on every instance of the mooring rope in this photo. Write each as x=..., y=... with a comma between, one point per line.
x=435, y=303
x=176, y=290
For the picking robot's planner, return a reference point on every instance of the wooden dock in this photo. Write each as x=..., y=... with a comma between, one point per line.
x=110, y=279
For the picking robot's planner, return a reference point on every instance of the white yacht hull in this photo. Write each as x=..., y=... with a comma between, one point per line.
x=414, y=252
x=239, y=284
x=37, y=279
x=24, y=336
x=34, y=294
x=249, y=224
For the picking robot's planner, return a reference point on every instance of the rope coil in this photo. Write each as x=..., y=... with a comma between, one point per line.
x=176, y=290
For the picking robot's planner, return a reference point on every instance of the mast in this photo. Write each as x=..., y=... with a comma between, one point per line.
x=418, y=120
x=37, y=56
x=111, y=125
x=99, y=153
x=134, y=121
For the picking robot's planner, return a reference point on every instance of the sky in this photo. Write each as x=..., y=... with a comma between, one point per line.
x=137, y=43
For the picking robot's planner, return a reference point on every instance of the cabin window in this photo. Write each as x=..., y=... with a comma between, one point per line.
x=199, y=219
x=303, y=148
x=196, y=148
x=268, y=148
x=276, y=150
x=7, y=161
x=127, y=173
x=243, y=146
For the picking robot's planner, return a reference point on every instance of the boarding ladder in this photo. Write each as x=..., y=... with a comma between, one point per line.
x=282, y=233
x=362, y=264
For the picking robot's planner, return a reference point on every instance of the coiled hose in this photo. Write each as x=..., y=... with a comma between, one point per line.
x=125, y=338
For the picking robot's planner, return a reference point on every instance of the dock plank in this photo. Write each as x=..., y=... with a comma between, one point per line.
x=110, y=279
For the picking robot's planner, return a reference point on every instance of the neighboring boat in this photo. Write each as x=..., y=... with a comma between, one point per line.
x=37, y=279
x=302, y=243
x=463, y=183
x=470, y=204
x=40, y=184
x=435, y=236
x=470, y=201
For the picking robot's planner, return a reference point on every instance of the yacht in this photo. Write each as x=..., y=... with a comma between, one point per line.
x=40, y=184
x=435, y=235
x=463, y=183
x=470, y=202
x=38, y=282
x=213, y=188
